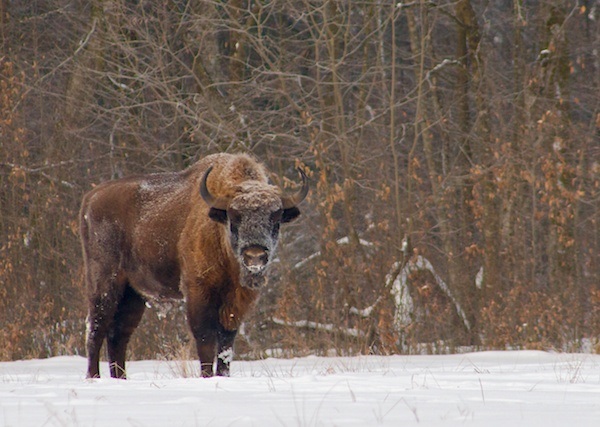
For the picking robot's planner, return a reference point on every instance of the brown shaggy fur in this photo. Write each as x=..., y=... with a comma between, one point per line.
x=153, y=238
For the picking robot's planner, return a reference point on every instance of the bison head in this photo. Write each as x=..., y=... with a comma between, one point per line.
x=253, y=217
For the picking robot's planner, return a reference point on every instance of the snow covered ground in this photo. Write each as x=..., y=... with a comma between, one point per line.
x=521, y=388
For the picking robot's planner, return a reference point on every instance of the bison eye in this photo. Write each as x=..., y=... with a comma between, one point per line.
x=276, y=216
x=235, y=217
x=275, y=230
x=234, y=231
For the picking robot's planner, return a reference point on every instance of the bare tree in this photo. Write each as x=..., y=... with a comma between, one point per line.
x=459, y=135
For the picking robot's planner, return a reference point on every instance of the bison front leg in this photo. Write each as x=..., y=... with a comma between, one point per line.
x=203, y=322
x=225, y=351
x=212, y=342
x=206, y=345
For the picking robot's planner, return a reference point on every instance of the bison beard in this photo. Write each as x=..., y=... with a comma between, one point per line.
x=206, y=234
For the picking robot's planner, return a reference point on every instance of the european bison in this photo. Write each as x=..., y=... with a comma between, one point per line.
x=205, y=234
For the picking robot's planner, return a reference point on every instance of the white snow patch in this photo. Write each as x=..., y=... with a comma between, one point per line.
x=226, y=355
x=491, y=389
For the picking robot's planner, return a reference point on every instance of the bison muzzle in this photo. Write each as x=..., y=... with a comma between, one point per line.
x=206, y=234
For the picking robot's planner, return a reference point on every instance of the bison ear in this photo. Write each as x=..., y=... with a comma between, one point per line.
x=290, y=214
x=218, y=215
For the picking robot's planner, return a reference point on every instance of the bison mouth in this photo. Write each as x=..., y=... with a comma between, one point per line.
x=253, y=280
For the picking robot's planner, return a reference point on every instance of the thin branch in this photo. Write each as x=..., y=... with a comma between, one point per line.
x=40, y=172
x=327, y=327
x=341, y=241
x=365, y=312
x=82, y=44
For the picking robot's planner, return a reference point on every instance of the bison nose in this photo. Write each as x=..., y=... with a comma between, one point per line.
x=255, y=258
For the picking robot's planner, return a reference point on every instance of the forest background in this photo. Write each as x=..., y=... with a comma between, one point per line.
x=453, y=149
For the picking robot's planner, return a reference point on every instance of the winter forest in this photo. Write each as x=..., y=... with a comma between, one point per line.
x=452, y=148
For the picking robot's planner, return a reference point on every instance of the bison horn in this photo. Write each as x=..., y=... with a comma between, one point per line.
x=213, y=202
x=295, y=199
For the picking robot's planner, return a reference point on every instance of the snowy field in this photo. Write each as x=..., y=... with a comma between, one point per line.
x=521, y=388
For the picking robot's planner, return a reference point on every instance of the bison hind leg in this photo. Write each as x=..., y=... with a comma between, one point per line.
x=95, y=333
x=102, y=308
x=126, y=319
